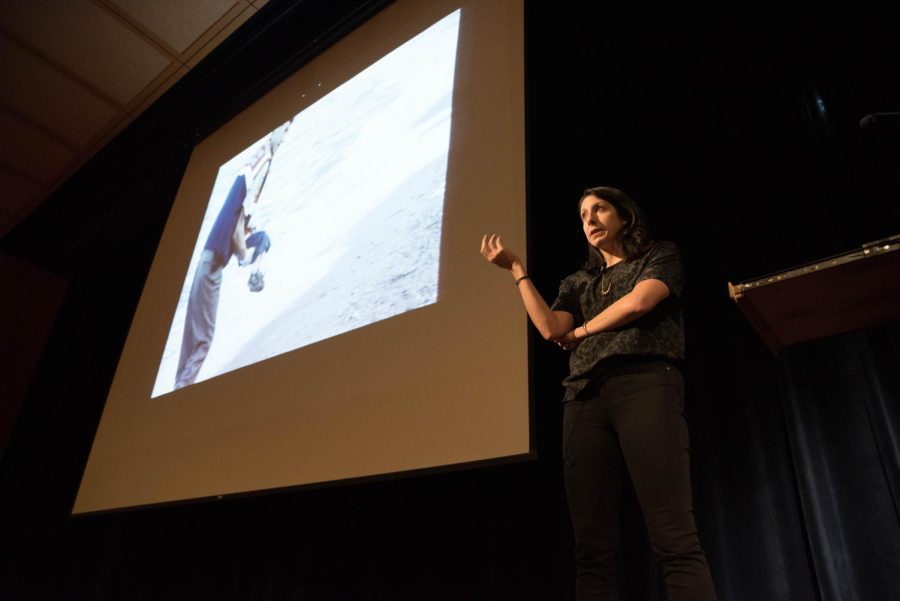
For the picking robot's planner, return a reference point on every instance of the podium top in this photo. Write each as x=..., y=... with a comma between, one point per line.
x=842, y=293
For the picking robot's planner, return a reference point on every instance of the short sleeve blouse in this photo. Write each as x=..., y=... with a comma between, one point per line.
x=659, y=333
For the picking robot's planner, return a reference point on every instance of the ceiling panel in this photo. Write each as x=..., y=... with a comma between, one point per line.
x=102, y=50
x=215, y=37
x=177, y=22
x=17, y=194
x=31, y=152
x=153, y=94
x=50, y=99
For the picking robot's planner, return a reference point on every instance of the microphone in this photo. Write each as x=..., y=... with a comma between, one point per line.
x=889, y=121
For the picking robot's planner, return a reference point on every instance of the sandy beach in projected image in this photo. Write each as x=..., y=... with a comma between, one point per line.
x=353, y=204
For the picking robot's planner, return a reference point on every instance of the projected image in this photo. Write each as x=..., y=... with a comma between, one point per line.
x=329, y=223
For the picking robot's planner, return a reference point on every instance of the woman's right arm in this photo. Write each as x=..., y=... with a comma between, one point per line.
x=551, y=324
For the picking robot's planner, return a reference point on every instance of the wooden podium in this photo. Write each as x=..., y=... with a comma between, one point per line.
x=846, y=292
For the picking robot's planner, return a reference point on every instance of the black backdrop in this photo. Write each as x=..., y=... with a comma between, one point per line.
x=742, y=142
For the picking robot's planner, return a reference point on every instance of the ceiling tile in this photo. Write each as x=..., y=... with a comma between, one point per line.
x=228, y=28
x=28, y=151
x=153, y=95
x=81, y=36
x=177, y=22
x=17, y=195
x=43, y=95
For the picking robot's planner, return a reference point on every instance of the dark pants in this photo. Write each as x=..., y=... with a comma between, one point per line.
x=632, y=417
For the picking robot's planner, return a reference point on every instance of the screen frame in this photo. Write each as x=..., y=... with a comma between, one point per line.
x=178, y=221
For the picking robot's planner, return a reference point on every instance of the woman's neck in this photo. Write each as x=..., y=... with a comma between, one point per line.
x=612, y=255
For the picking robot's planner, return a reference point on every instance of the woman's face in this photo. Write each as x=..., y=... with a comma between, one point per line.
x=600, y=221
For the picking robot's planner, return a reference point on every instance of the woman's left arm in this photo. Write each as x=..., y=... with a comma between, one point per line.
x=641, y=300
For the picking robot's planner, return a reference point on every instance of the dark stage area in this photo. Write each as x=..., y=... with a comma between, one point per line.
x=743, y=144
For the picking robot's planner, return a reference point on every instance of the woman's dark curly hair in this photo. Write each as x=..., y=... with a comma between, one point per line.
x=636, y=237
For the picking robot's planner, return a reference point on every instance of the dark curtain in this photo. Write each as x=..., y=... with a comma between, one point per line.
x=745, y=493
x=842, y=406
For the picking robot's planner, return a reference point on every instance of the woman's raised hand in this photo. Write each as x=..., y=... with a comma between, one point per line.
x=493, y=252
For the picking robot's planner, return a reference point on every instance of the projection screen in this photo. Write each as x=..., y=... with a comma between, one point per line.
x=317, y=309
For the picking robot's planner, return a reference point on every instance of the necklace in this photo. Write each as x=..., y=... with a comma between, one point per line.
x=604, y=290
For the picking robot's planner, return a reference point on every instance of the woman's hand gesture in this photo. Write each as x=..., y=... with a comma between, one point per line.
x=493, y=252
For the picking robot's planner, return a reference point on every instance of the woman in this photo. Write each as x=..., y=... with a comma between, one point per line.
x=621, y=317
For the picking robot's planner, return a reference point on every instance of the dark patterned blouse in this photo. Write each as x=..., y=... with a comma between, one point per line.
x=659, y=333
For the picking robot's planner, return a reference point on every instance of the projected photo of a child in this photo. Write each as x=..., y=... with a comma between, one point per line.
x=329, y=223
